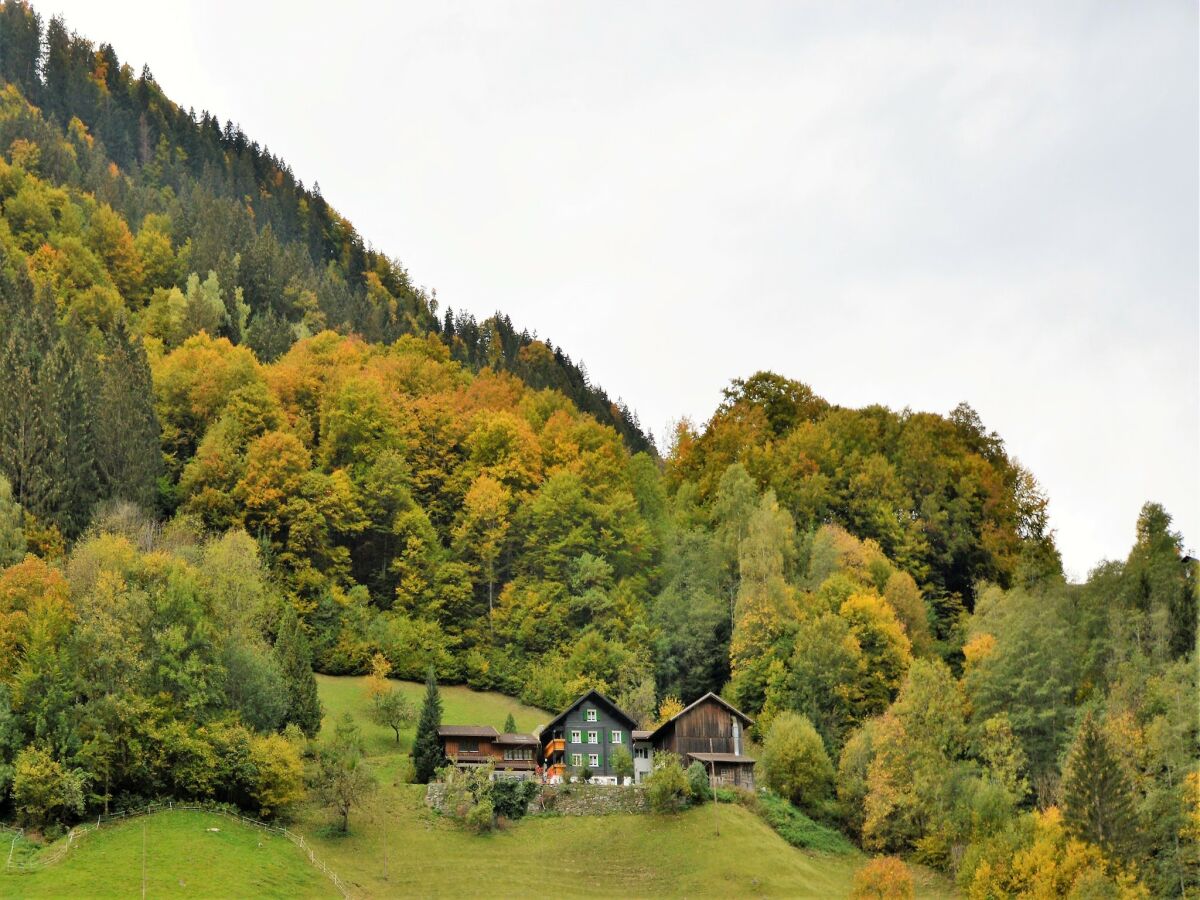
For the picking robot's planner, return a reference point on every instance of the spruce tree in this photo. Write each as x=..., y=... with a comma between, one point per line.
x=427, y=750
x=295, y=662
x=510, y=725
x=1097, y=799
x=127, y=430
x=28, y=450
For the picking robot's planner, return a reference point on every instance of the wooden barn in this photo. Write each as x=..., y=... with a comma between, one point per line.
x=712, y=732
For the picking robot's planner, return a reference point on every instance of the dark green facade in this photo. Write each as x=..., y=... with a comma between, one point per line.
x=593, y=726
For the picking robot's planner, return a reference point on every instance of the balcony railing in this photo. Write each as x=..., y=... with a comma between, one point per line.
x=558, y=745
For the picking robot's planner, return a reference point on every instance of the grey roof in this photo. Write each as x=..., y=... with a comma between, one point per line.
x=509, y=737
x=642, y=735
x=723, y=758
x=725, y=703
x=467, y=731
x=592, y=693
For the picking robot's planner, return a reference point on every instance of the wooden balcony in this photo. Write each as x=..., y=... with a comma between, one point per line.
x=558, y=745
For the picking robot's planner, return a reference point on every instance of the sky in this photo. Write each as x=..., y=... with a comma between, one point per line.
x=910, y=204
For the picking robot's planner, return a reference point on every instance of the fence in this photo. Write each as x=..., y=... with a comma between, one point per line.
x=63, y=847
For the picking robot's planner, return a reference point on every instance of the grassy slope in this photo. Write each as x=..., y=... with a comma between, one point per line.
x=394, y=835
x=183, y=859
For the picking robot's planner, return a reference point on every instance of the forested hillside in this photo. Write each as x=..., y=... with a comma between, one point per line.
x=237, y=444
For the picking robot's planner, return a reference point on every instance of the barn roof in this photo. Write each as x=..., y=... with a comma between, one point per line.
x=710, y=695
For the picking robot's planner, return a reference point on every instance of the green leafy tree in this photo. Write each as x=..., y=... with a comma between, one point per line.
x=391, y=710
x=795, y=762
x=44, y=790
x=343, y=779
x=427, y=749
x=621, y=762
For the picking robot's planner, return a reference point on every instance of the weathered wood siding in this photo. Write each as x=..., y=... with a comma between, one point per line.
x=706, y=728
x=487, y=750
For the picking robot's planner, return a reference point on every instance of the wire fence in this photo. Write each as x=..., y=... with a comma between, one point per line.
x=56, y=853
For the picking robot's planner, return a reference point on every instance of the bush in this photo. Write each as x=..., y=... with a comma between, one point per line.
x=883, y=878
x=667, y=784
x=698, y=785
x=795, y=763
x=798, y=829
x=511, y=798
x=480, y=817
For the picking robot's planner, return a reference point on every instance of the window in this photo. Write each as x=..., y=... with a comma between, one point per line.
x=518, y=753
x=641, y=752
x=589, y=715
x=593, y=737
x=577, y=759
x=468, y=746
x=594, y=760
x=616, y=737
x=575, y=738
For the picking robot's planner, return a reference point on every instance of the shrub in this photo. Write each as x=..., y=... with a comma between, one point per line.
x=795, y=762
x=585, y=775
x=795, y=827
x=698, y=786
x=480, y=817
x=622, y=763
x=511, y=798
x=667, y=784
x=883, y=878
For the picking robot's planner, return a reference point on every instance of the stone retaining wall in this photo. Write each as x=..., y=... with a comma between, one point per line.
x=569, y=799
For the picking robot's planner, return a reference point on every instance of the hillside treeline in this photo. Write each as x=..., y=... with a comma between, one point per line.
x=122, y=195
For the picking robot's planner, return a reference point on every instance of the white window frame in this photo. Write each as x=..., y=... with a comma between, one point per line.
x=589, y=715
x=616, y=736
x=593, y=737
x=576, y=736
x=577, y=760
x=593, y=760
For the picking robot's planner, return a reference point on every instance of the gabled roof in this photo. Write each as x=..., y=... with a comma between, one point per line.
x=710, y=695
x=640, y=735
x=467, y=731
x=596, y=695
x=509, y=737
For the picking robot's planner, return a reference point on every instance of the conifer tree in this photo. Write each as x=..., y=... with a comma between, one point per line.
x=127, y=431
x=70, y=414
x=427, y=751
x=1097, y=800
x=24, y=438
x=295, y=662
x=510, y=725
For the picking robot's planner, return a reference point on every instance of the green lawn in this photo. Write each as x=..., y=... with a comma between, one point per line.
x=183, y=859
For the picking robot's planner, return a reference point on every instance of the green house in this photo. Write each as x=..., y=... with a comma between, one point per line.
x=584, y=736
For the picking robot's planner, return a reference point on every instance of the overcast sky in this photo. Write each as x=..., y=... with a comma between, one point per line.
x=912, y=204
